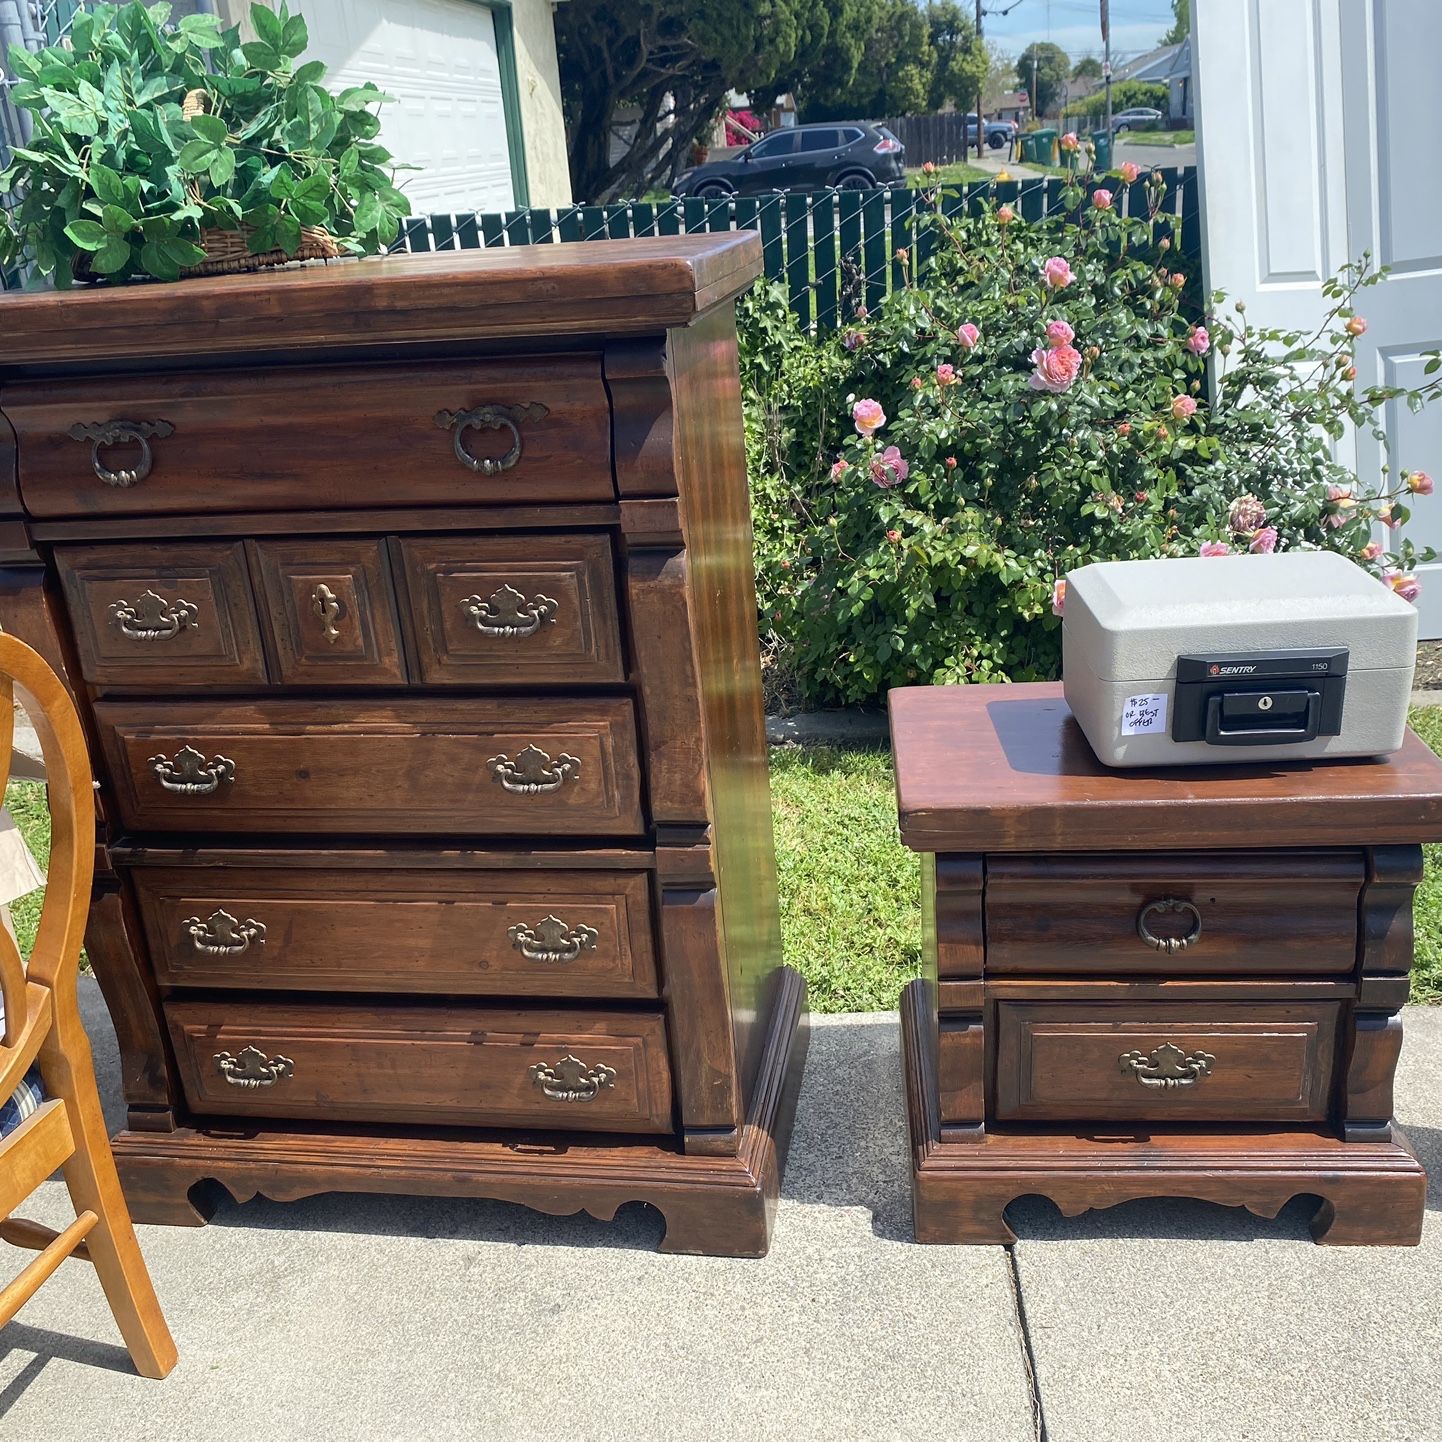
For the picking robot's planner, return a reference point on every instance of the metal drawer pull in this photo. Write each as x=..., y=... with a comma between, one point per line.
x=190, y=774
x=552, y=940
x=326, y=604
x=510, y=614
x=153, y=618
x=533, y=771
x=252, y=1068
x=1168, y=944
x=1167, y=1067
x=220, y=934
x=571, y=1080
x=117, y=433
x=490, y=418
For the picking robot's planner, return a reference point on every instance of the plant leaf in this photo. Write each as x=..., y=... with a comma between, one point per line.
x=155, y=261
x=222, y=168
x=210, y=127
x=115, y=255
x=106, y=184
x=268, y=25
x=117, y=220
x=87, y=234
x=195, y=156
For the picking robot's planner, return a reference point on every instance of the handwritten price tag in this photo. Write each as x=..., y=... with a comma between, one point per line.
x=1144, y=715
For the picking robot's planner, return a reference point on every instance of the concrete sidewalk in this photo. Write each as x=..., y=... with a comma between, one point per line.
x=365, y=1317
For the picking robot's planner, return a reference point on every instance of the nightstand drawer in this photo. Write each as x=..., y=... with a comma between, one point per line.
x=1089, y=1059
x=1201, y=913
x=532, y=609
x=162, y=616
x=464, y=933
x=424, y=433
x=451, y=1066
x=331, y=612
x=522, y=767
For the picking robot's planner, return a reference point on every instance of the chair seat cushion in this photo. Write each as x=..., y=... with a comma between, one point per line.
x=22, y=1103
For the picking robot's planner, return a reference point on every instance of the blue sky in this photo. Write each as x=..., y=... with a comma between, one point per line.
x=1075, y=25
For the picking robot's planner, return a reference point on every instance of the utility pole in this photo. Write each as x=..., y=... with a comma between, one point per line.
x=980, y=90
x=1107, y=58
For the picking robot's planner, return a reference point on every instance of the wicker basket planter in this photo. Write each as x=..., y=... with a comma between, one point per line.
x=227, y=253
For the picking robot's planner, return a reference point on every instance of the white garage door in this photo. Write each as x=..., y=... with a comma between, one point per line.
x=437, y=58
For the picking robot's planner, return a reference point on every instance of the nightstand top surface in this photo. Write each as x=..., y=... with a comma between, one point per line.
x=1006, y=768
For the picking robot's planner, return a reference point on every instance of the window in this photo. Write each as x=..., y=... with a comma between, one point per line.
x=850, y=135
x=819, y=140
x=782, y=142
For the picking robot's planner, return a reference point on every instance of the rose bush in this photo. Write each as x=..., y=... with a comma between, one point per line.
x=1036, y=397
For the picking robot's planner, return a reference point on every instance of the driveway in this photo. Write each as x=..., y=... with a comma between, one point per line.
x=1151, y=156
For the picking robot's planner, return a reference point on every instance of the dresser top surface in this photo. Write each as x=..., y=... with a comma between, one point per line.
x=591, y=288
x=1006, y=768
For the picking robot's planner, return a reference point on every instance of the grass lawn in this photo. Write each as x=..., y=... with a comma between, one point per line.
x=957, y=173
x=850, y=892
x=1159, y=137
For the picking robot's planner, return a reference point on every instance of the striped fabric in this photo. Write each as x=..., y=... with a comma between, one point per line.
x=26, y=1098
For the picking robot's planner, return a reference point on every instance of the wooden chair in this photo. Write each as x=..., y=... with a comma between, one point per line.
x=42, y=1026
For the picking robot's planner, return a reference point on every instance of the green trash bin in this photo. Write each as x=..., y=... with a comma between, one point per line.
x=1039, y=146
x=1103, y=142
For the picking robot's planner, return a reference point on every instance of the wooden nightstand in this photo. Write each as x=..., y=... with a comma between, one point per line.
x=1154, y=983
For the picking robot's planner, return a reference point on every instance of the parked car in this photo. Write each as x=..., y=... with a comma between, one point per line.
x=1139, y=117
x=999, y=133
x=853, y=155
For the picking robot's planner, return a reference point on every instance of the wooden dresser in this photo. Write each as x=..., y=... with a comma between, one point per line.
x=1179, y=982
x=410, y=608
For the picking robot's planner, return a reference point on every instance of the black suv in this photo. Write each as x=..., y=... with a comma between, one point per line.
x=854, y=155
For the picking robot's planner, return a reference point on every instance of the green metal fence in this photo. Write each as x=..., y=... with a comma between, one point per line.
x=833, y=250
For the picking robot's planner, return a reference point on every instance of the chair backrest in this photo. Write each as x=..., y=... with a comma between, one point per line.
x=54, y=961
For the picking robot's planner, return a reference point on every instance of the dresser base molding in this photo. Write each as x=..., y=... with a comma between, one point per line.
x=713, y=1205
x=1369, y=1193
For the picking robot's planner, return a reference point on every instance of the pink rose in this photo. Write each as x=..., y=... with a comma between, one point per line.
x=1199, y=342
x=1408, y=587
x=1370, y=551
x=1005, y=215
x=967, y=336
x=1386, y=516
x=945, y=374
x=1264, y=542
x=1183, y=407
x=893, y=536
x=1340, y=504
x=1058, y=273
x=839, y=468
x=1245, y=515
x=1124, y=428
x=1420, y=483
x=1358, y=326
x=1214, y=548
x=869, y=417
x=1178, y=279
x=1069, y=141
x=889, y=469
x=1058, y=596
x=1102, y=199
x=1058, y=332
x=1055, y=368
x=1129, y=170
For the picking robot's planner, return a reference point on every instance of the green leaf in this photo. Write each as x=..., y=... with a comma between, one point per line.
x=260, y=56
x=87, y=234
x=295, y=37
x=268, y=25
x=117, y=220
x=222, y=168
x=211, y=128
x=183, y=252
x=287, y=234
x=368, y=213
x=115, y=255
x=107, y=185
x=309, y=73
x=195, y=156
x=154, y=261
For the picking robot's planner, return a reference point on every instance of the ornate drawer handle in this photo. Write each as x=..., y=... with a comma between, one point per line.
x=190, y=774
x=1168, y=944
x=153, y=618
x=552, y=940
x=490, y=418
x=222, y=935
x=571, y=1080
x=1167, y=1067
x=509, y=614
x=326, y=604
x=533, y=771
x=115, y=433
x=252, y=1068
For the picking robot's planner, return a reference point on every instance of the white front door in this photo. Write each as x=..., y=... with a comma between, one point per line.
x=1316, y=136
x=438, y=59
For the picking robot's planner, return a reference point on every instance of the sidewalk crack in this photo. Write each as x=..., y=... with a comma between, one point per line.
x=1028, y=1352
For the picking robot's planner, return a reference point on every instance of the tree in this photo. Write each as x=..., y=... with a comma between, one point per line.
x=1087, y=68
x=675, y=61
x=893, y=75
x=961, y=60
x=1181, y=23
x=1046, y=83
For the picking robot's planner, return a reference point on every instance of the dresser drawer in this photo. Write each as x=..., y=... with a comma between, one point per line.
x=523, y=767
x=476, y=933
x=457, y=1066
x=1088, y=1059
x=520, y=609
x=330, y=611
x=1238, y=912
x=166, y=616
x=424, y=433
